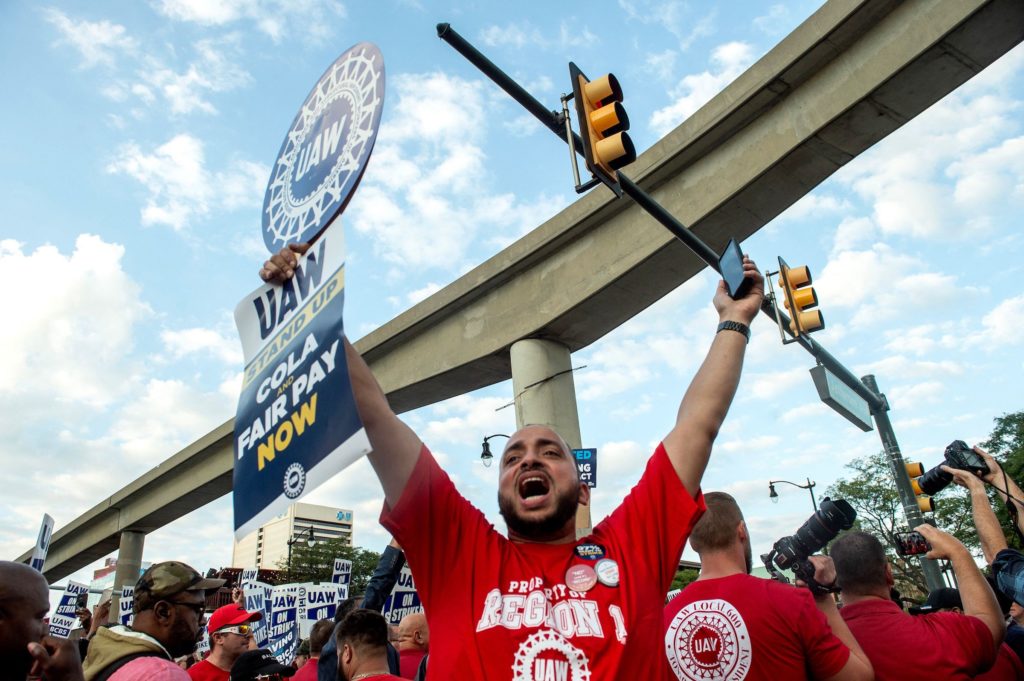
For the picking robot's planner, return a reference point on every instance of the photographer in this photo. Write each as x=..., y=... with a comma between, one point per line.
x=728, y=624
x=944, y=645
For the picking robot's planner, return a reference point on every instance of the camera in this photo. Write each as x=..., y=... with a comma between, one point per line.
x=792, y=552
x=958, y=455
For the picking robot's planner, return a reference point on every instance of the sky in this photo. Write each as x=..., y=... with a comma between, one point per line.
x=138, y=140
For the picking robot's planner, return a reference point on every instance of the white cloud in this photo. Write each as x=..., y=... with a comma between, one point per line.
x=766, y=385
x=97, y=41
x=775, y=22
x=672, y=16
x=727, y=62
x=181, y=188
x=426, y=193
x=212, y=71
x=186, y=342
x=467, y=419
x=311, y=19
x=522, y=34
x=1001, y=325
x=423, y=293
x=74, y=333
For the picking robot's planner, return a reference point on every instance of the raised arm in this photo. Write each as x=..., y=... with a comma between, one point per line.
x=989, y=532
x=707, y=400
x=1003, y=483
x=395, y=446
x=975, y=593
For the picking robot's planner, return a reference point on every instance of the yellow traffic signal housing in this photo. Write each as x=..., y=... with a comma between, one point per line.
x=603, y=125
x=800, y=297
x=924, y=502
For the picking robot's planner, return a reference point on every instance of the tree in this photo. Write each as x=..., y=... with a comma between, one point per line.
x=1006, y=444
x=872, y=493
x=683, y=578
x=316, y=564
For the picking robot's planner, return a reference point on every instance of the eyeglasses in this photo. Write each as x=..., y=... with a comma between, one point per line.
x=240, y=629
x=197, y=608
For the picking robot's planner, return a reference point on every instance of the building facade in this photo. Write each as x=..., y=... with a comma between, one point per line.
x=267, y=547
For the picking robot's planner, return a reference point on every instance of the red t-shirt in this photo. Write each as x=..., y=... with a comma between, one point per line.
x=307, y=672
x=743, y=627
x=207, y=671
x=409, y=662
x=1007, y=667
x=944, y=645
x=498, y=609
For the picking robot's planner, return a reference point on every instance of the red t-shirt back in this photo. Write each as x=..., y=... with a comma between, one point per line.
x=206, y=671
x=1007, y=667
x=901, y=647
x=409, y=662
x=307, y=672
x=743, y=627
x=504, y=610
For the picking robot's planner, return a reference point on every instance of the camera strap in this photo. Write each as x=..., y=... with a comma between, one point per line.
x=1011, y=507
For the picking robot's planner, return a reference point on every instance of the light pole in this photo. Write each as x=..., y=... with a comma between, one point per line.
x=809, y=487
x=485, y=453
x=310, y=542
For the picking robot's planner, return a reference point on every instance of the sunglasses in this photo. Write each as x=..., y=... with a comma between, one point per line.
x=197, y=608
x=240, y=629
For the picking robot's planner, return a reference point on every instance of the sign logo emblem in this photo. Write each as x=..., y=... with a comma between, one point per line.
x=326, y=149
x=546, y=655
x=294, y=480
x=708, y=640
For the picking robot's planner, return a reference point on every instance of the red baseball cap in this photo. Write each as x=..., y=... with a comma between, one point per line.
x=230, y=615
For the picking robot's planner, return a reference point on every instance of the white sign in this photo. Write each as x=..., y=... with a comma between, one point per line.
x=64, y=619
x=42, y=543
x=126, y=605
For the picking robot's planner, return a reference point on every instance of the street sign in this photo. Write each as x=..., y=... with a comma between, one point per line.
x=586, y=462
x=842, y=398
x=326, y=149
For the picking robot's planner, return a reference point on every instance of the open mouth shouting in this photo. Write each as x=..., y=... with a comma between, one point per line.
x=534, y=489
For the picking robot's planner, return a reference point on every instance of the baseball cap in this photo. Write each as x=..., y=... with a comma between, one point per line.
x=230, y=615
x=943, y=598
x=261, y=662
x=163, y=580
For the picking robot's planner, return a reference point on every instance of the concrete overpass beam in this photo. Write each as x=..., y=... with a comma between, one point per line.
x=129, y=564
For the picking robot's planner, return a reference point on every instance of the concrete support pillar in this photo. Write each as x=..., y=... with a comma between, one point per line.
x=545, y=394
x=129, y=563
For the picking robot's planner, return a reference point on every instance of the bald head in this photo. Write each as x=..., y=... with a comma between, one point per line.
x=413, y=633
x=24, y=602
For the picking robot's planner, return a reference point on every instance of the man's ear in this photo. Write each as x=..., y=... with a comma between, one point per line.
x=163, y=611
x=584, y=496
x=888, y=575
x=741, y=531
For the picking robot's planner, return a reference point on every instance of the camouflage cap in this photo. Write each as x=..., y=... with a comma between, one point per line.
x=163, y=580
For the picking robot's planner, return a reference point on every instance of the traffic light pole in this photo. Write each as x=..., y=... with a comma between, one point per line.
x=932, y=574
x=556, y=122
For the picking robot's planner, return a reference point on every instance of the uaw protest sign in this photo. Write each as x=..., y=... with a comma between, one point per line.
x=296, y=423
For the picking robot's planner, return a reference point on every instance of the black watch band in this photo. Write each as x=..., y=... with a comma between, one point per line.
x=735, y=326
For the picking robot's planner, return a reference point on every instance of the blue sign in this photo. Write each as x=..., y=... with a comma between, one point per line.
x=403, y=600
x=586, y=463
x=326, y=149
x=296, y=425
x=42, y=543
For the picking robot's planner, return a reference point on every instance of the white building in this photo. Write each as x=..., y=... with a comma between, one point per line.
x=268, y=546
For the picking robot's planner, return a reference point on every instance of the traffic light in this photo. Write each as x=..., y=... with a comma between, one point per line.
x=603, y=125
x=924, y=502
x=800, y=296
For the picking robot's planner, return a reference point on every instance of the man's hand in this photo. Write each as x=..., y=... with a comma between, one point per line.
x=824, y=575
x=56, y=659
x=966, y=479
x=238, y=597
x=100, y=616
x=993, y=466
x=745, y=309
x=281, y=265
x=944, y=545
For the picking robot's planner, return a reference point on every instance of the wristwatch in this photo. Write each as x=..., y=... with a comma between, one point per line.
x=735, y=326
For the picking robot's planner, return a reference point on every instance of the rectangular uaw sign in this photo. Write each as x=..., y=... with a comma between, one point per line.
x=296, y=424
x=586, y=463
x=63, y=620
x=404, y=598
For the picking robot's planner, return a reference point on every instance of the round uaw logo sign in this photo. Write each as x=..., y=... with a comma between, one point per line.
x=708, y=640
x=294, y=480
x=325, y=152
x=547, y=655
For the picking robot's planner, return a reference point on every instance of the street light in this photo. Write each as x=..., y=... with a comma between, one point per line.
x=310, y=542
x=485, y=453
x=809, y=487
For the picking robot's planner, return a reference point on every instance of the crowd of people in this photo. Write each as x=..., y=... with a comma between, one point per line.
x=542, y=604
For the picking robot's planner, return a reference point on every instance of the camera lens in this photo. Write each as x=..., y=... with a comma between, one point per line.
x=934, y=481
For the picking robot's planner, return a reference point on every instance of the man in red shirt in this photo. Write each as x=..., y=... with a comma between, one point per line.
x=944, y=645
x=230, y=636
x=540, y=603
x=729, y=625
x=413, y=642
x=362, y=640
x=318, y=636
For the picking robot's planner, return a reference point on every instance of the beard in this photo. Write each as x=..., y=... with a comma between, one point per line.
x=541, y=529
